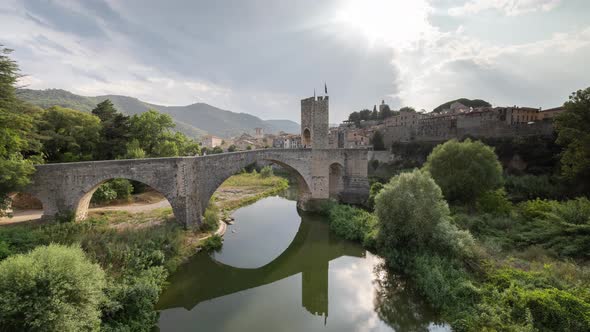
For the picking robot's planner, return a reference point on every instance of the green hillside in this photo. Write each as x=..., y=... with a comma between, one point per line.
x=194, y=120
x=467, y=102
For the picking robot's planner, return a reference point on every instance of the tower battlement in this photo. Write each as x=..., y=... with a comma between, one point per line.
x=314, y=122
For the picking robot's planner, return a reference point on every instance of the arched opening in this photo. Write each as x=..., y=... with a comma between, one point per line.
x=306, y=138
x=262, y=198
x=22, y=207
x=336, y=180
x=121, y=197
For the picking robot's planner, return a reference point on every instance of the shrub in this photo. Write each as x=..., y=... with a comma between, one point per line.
x=351, y=223
x=53, y=288
x=409, y=208
x=131, y=301
x=529, y=186
x=494, y=202
x=122, y=187
x=535, y=208
x=4, y=250
x=375, y=189
x=266, y=172
x=104, y=194
x=464, y=170
x=213, y=243
x=211, y=217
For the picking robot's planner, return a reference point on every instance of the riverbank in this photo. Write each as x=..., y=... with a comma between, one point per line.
x=137, y=250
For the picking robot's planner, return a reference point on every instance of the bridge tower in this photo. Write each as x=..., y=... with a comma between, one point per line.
x=314, y=122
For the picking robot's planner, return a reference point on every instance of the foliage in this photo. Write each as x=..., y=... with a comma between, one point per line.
x=494, y=202
x=134, y=150
x=53, y=288
x=464, y=170
x=68, y=135
x=212, y=243
x=529, y=186
x=351, y=223
x=375, y=189
x=211, y=217
x=419, y=224
x=266, y=172
x=232, y=148
x=115, y=189
x=135, y=260
x=19, y=145
x=574, y=134
x=377, y=141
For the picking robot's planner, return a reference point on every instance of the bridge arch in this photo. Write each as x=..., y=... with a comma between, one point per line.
x=233, y=165
x=82, y=202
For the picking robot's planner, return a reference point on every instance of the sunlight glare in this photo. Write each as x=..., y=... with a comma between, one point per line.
x=395, y=22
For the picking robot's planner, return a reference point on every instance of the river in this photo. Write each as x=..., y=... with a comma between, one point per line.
x=282, y=270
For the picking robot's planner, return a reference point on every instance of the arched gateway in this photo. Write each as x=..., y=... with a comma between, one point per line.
x=189, y=182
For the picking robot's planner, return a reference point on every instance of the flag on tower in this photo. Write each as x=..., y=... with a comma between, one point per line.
x=325, y=88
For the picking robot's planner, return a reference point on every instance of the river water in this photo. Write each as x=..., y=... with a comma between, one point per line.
x=282, y=270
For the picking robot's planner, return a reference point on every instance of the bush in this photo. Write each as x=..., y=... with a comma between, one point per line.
x=464, y=170
x=412, y=214
x=111, y=190
x=122, y=187
x=375, y=189
x=53, y=288
x=131, y=300
x=529, y=186
x=494, y=202
x=211, y=217
x=104, y=194
x=213, y=243
x=266, y=172
x=351, y=223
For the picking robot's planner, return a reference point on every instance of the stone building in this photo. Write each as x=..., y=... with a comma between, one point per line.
x=314, y=122
x=211, y=141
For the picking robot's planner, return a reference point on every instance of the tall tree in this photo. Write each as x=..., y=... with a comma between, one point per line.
x=573, y=132
x=19, y=147
x=69, y=135
x=105, y=111
x=377, y=141
x=114, y=134
x=150, y=129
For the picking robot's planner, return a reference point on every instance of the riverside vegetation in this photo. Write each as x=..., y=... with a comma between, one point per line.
x=132, y=255
x=486, y=263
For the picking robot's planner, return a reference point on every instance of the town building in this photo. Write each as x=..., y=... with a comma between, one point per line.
x=211, y=141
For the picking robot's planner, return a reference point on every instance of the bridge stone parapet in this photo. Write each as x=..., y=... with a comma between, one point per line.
x=189, y=182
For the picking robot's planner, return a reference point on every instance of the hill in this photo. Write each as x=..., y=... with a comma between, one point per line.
x=467, y=102
x=194, y=120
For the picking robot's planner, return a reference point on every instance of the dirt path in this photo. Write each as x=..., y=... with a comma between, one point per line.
x=26, y=215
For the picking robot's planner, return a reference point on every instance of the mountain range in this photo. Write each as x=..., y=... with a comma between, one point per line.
x=194, y=120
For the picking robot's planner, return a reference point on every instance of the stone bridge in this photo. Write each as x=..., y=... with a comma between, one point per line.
x=189, y=182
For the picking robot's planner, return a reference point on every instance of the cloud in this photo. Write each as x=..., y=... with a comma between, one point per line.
x=263, y=57
x=456, y=65
x=507, y=7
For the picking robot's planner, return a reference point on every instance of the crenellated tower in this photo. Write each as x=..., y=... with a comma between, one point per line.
x=314, y=122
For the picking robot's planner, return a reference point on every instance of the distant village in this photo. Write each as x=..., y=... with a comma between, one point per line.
x=458, y=121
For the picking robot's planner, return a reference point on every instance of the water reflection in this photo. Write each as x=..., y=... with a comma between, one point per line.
x=319, y=282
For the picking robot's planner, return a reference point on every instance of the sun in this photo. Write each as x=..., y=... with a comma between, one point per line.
x=387, y=21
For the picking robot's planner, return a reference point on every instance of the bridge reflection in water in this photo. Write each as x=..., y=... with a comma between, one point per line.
x=309, y=253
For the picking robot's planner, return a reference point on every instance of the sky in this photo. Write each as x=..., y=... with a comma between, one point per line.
x=262, y=57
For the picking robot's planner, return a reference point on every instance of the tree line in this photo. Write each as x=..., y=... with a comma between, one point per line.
x=383, y=113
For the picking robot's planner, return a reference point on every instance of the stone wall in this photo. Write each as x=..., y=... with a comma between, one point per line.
x=189, y=182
